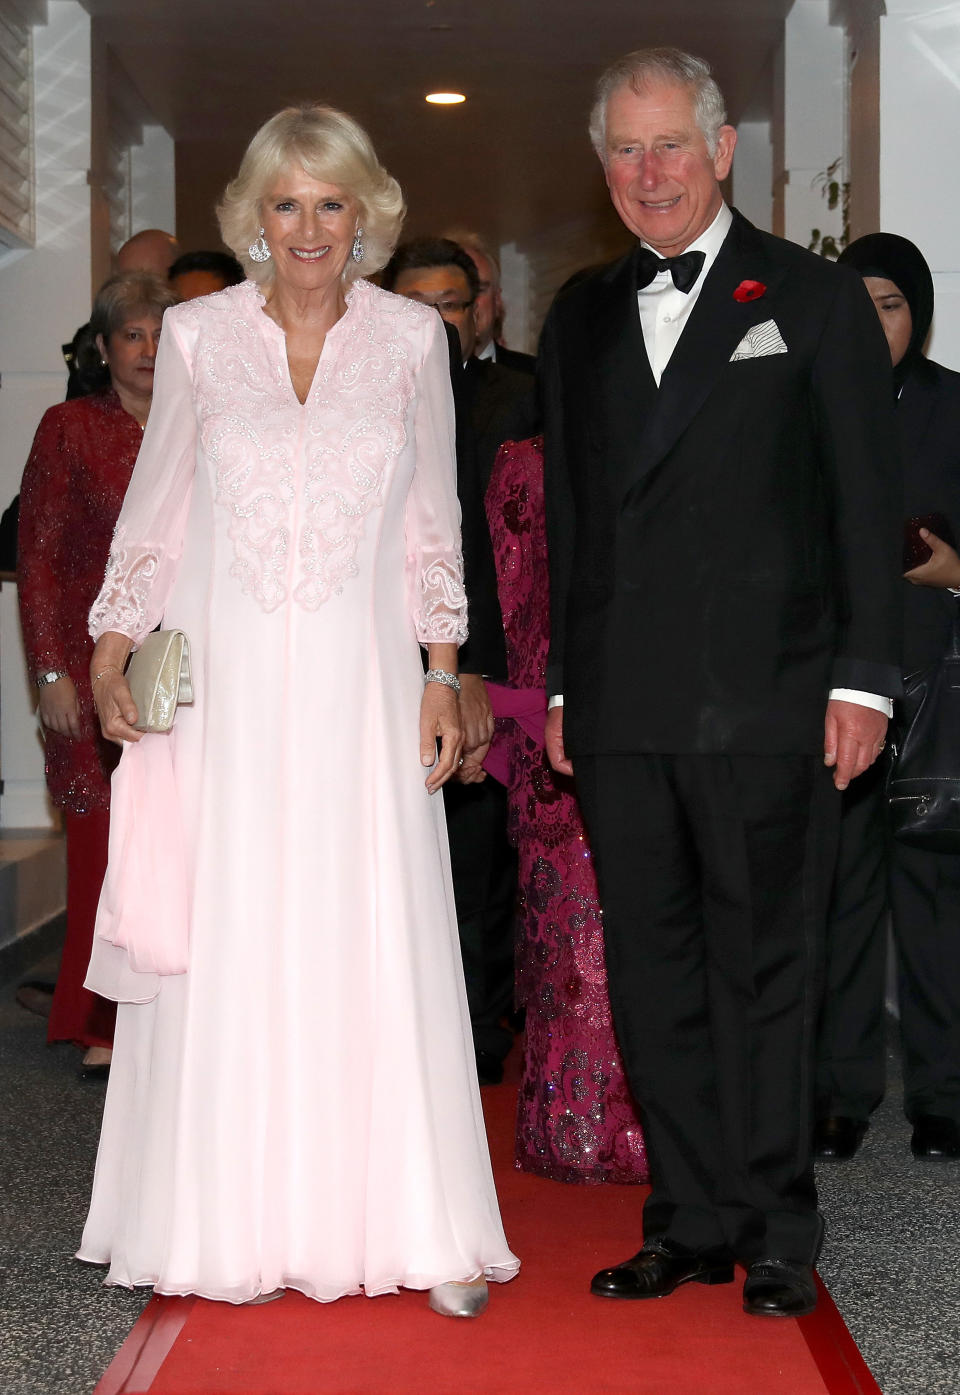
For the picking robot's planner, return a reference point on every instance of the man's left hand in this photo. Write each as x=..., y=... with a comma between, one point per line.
x=478, y=727
x=853, y=737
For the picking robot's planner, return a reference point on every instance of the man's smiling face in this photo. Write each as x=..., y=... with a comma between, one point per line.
x=663, y=181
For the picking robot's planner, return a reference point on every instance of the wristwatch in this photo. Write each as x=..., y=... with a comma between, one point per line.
x=51, y=676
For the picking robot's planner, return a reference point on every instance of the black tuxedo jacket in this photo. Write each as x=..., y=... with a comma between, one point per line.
x=485, y=649
x=500, y=402
x=516, y=361
x=928, y=418
x=723, y=549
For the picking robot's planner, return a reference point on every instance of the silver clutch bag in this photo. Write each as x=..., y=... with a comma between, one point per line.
x=159, y=678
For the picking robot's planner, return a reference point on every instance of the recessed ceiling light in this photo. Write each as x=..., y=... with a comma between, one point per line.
x=445, y=99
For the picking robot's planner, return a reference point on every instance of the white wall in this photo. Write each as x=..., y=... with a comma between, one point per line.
x=45, y=292
x=44, y=296
x=919, y=170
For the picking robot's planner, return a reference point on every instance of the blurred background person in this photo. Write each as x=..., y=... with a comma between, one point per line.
x=202, y=273
x=490, y=311
x=924, y=887
x=152, y=251
x=73, y=485
x=498, y=404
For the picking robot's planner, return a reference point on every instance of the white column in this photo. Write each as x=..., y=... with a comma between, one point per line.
x=919, y=121
x=753, y=173
x=152, y=177
x=515, y=286
x=809, y=125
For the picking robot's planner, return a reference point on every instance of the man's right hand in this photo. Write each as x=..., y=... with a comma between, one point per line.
x=58, y=707
x=553, y=737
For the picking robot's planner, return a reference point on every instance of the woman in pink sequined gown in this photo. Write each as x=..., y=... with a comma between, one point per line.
x=293, y=1101
x=575, y=1119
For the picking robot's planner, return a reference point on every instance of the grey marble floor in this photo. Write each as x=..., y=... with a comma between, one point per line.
x=890, y=1259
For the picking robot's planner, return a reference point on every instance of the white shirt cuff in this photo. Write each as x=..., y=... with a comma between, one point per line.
x=874, y=700
x=555, y=701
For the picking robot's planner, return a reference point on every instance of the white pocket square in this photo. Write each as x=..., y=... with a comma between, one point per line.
x=760, y=341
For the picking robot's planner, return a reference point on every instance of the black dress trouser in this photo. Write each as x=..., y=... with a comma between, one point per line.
x=714, y=873
x=851, y=1048
x=925, y=900
x=484, y=867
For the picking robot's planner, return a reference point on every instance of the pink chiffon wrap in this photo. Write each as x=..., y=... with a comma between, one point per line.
x=144, y=909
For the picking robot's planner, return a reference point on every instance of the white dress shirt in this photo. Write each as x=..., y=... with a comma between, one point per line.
x=664, y=312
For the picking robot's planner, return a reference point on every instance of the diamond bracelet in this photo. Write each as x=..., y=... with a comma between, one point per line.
x=440, y=675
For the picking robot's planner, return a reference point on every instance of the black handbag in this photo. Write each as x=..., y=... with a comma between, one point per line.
x=923, y=788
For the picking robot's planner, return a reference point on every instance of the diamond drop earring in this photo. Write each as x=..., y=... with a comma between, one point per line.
x=259, y=251
x=358, y=246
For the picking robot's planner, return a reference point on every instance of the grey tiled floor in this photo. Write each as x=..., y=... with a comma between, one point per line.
x=891, y=1258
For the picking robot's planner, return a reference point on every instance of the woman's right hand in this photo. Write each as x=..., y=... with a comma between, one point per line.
x=58, y=707
x=116, y=708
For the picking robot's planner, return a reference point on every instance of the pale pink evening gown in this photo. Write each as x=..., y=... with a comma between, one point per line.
x=299, y=1108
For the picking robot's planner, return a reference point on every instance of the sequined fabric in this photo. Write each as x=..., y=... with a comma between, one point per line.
x=575, y=1119
x=73, y=485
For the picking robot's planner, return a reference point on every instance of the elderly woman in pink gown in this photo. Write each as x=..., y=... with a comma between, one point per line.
x=576, y=1120
x=293, y=1101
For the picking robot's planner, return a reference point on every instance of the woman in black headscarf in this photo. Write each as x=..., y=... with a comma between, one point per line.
x=924, y=887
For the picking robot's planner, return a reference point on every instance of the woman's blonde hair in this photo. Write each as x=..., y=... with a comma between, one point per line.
x=331, y=147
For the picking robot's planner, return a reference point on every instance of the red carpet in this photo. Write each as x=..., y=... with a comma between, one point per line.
x=542, y=1333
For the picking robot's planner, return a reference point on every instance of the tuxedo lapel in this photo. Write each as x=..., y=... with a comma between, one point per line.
x=625, y=390
x=716, y=326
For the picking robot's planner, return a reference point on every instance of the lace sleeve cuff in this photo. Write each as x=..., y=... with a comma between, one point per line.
x=123, y=605
x=441, y=613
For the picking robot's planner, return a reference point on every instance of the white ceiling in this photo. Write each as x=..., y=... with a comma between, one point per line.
x=513, y=161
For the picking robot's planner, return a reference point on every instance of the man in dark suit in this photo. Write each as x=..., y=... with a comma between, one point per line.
x=489, y=310
x=496, y=403
x=723, y=526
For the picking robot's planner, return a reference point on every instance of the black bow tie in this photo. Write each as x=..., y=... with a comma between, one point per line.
x=684, y=269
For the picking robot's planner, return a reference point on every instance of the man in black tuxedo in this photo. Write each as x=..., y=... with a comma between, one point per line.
x=493, y=403
x=723, y=522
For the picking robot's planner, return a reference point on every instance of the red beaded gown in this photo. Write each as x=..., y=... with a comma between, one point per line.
x=576, y=1120
x=73, y=485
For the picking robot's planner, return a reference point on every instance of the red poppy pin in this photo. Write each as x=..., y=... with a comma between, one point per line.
x=749, y=290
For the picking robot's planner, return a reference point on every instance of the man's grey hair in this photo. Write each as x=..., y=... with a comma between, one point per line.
x=473, y=242
x=638, y=70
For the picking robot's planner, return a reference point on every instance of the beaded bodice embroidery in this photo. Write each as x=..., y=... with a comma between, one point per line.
x=351, y=429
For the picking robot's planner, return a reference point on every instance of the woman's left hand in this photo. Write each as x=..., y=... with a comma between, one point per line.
x=941, y=570
x=440, y=717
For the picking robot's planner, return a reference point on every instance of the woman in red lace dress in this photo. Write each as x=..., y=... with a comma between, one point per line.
x=73, y=486
x=576, y=1120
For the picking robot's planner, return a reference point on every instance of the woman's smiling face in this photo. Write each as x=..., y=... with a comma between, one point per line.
x=309, y=227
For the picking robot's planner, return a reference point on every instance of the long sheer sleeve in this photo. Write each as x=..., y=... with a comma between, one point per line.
x=434, y=558
x=43, y=525
x=148, y=539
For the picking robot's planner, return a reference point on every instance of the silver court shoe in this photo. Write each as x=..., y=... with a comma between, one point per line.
x=463, y=1300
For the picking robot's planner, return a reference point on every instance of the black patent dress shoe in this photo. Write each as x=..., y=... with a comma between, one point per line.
x=659, y=1268
x=489, y=1068
x=838, y=1137
x=779, y=1288
x=935, y=1136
